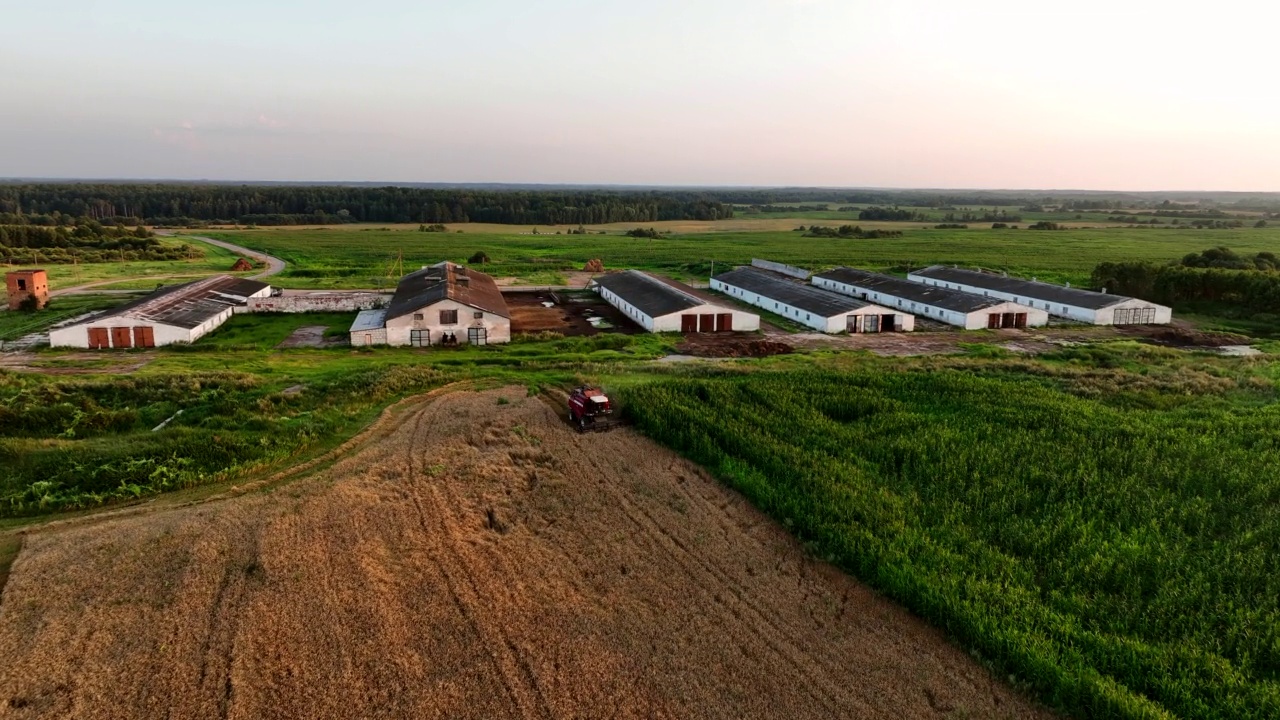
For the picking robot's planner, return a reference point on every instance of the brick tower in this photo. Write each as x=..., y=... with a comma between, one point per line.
x=24, y=284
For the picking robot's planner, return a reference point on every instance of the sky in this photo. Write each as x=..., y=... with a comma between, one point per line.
x=1119, y=95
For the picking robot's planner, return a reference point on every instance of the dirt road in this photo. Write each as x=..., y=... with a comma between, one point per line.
x=470, y=559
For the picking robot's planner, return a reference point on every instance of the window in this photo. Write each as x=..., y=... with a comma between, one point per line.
x=22, y=284
x=419, y=317
x=448, y=317
x=419, y=338
x=478, y=315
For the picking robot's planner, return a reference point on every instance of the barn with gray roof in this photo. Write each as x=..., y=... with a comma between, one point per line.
x=1095, y=308
x=175, y=314
x=953, y=307
x=441, y=304
x=822, y=310
x=663, y=305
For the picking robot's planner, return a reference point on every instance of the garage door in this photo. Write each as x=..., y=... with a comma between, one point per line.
x=144, y=337
x=121, y=337
x=98, y=338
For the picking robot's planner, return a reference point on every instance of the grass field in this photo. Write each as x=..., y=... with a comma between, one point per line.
x=360, y=258
x=207, y=260
x=15, y=324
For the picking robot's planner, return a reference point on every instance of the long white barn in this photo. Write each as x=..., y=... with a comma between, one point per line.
x=1096, y=308
x=175, y=314
x=822, y=310
x=953, y=307
x=661, y=305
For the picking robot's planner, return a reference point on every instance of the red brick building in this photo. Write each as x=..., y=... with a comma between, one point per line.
x=24, y=284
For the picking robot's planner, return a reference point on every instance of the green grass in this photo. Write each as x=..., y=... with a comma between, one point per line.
x=346, y=258
x=264, y=331
x=207, y=260
x=1101, y=525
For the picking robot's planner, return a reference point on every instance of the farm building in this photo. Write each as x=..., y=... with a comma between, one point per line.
x=954, y=307
x=27, y=286
x=174, y=314
x=822, y=310
x=443, y=304
x=1097, y=308
x=661, y=305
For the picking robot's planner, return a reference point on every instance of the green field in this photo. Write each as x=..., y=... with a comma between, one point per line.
x=207, y=260
x=1107, y=538
x=363, y=258
x=14, y=324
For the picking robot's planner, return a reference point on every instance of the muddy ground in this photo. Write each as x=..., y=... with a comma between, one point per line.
x=567, y=316
x=468, y=559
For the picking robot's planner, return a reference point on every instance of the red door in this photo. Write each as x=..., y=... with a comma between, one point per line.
x=993, y=321
x=144, y=337
x=1020, y=321
x=121, y=338
x=1008, y=320
x=98, y=338
x=706, y=323
x=724, y=322
x=688, y=323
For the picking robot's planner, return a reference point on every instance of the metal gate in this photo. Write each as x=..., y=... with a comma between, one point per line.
x=1134, y=316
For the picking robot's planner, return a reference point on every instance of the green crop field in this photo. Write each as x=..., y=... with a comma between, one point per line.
x=206, y=260
x=1107, y=538
x=364, y=258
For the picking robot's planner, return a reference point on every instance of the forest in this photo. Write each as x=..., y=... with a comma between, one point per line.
x=87, y=241
x=180, y=204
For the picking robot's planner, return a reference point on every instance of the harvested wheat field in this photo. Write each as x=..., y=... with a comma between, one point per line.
x=473, y=558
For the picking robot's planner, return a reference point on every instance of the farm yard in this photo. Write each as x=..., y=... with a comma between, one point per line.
x=1082, y=514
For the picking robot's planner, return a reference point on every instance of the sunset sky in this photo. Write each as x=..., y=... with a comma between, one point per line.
x=989, y=93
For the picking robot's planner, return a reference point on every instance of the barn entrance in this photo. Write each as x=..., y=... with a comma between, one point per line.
x=1134, y=316
x=419, y=338
x=99, y=339
x=724, y=322
x=121, y=337
x=144, y=337
x=706, y=323
x=477, y=336
x=887, y=323
x=688, y=323
x=996, y=321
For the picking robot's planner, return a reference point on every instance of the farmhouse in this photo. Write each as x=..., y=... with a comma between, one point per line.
x=662, y=305
x=1097, y=308
x=443, y=304
x=174, y=314
x=822, y=310
x=954, y=307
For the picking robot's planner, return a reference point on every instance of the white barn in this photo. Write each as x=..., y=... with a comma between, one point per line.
x=443, y=304
x=1096, y=308
x=662, y=305
x=953, y=307
x=175, y=314
x=822, y=310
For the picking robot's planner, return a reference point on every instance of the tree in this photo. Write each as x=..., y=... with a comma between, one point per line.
x=480, y=258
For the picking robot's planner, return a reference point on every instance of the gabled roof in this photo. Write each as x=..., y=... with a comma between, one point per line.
x=446, y=280
x=648, y=294
x=1031, y=289
x=808, y=298
x=188, y=305
x=938, y=297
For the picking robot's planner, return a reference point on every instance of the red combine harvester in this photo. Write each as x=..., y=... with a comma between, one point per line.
x=590, y=410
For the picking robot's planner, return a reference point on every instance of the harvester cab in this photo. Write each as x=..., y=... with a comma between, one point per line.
x=590, y=410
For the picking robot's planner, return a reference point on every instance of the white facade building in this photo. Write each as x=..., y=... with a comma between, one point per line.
x=1095, y=308
x=175, y=314
x=444, y=304
x=822, y=310
x=662, y=305
x=953, y=307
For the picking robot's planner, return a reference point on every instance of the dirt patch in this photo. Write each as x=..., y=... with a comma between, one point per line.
x=109, y=362
x=310, y=336
x=1183, y=335
x=948, y=341
x=472, y=560
x=729, y=345
x=570, y=313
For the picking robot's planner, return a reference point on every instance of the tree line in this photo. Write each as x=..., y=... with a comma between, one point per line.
x=88, y=241
x=180, y=204
x=1254, y=290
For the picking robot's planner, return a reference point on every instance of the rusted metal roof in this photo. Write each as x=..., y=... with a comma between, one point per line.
x=446, y=280
x=188, y=305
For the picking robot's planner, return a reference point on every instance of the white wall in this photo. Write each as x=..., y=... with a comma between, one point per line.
x=828, y=324
x=742, y=321
x=1072, y=312
x=77, y=336
x=497, y=327
x=976, y=320
x=376, y=336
